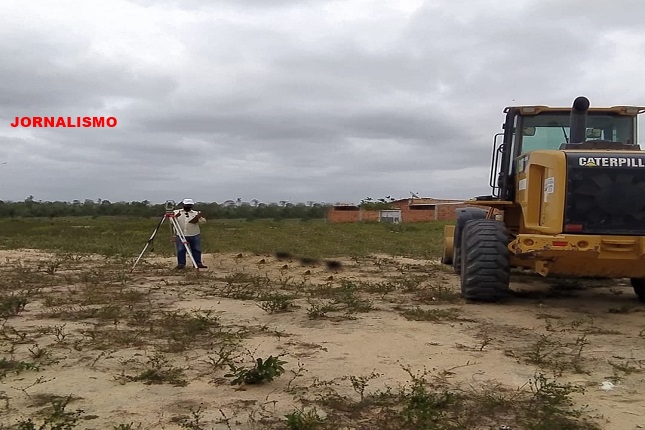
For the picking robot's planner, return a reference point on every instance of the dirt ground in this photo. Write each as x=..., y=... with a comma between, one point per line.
x=393, y=313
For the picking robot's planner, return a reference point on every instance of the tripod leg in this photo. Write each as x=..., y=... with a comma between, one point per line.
x=152, y=237
x=181, y=236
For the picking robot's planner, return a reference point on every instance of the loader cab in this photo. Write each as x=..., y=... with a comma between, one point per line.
x=534, y=128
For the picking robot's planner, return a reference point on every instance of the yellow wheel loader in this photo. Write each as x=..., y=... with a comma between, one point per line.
x=568, y=199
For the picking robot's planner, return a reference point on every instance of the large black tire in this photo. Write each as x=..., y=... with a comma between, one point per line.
x=485, y=261
x=639, y=288
x=463, y=216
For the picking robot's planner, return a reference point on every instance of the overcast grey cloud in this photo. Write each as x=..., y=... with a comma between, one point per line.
x=292, y=100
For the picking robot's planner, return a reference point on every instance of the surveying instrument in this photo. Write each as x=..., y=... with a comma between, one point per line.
x=170, y=215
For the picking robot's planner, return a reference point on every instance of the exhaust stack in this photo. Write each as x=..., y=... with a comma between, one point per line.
x=578, y=126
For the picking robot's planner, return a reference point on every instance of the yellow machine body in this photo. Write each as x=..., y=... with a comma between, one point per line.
x=541, y=191
x=540, y=243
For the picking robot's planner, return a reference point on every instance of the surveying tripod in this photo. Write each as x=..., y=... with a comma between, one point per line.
x=170, y=214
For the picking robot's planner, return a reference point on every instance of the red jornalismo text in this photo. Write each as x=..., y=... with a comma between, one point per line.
x=67, y=122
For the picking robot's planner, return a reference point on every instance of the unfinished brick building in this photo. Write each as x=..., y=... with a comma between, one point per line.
x=403, y=210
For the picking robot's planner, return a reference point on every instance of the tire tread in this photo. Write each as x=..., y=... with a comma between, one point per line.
x=485, y=261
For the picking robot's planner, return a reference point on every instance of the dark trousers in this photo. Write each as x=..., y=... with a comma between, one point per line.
x=195, y=248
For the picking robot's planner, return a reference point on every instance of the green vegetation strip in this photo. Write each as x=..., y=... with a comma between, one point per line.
x=116, y=236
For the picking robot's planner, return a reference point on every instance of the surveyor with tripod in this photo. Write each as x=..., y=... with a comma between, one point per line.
x=188, y=221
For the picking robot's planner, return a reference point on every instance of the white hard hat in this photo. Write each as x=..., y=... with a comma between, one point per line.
x=188, y=202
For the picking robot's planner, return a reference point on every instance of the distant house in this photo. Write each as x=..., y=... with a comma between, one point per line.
x=403, y=210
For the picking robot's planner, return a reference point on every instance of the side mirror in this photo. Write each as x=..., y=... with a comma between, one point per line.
x=528, y=131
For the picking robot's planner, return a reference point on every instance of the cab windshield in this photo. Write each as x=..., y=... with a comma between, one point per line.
x=550, y=130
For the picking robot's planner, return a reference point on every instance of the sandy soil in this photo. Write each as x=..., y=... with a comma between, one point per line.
x=480, y=342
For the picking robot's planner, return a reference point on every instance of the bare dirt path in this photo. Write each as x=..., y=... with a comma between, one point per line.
x=154, y=347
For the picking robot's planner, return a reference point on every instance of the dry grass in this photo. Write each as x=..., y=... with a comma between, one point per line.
x=244, y=334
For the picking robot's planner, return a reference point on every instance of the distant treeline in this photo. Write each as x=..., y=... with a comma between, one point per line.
x=32, y=208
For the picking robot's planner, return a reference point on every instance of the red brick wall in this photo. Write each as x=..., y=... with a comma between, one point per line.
x=442, y=212
x=416, y=215
x=334, y=215
x=448, y=212
x=370, y=215
x=341, y=216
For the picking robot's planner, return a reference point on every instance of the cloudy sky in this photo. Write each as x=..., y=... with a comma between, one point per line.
x=292, y=99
